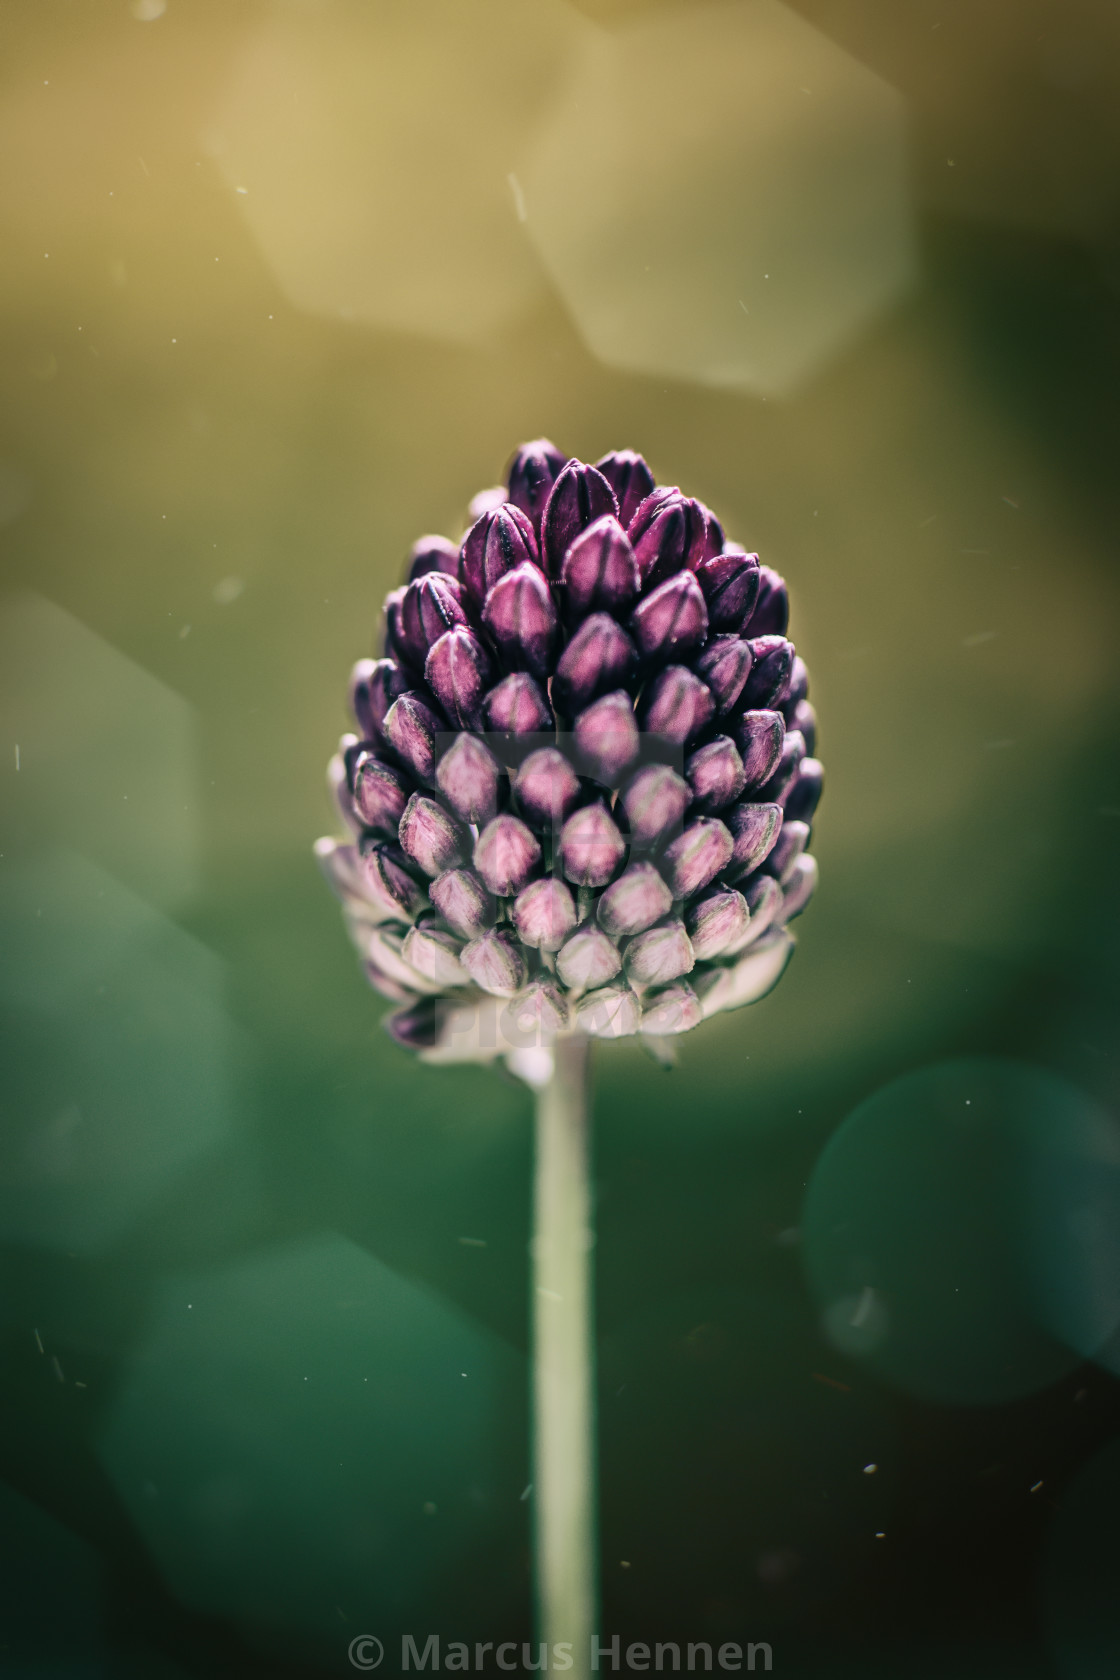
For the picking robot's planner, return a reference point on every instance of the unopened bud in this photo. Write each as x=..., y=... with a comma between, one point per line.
x=458, y=672
x=384, y=983
x=655, y=800
x=416, y=1028
x=520, y=616
x=675, y=1009
x=764, y=901
x=495, y=545
x=533, y=471
x=804, y=792
x=435, y=955
x=486, y=501
x=431, y=606
x=800, y=886
x=661, y=954
x=600, y=656
x=578, y=498
x=715, y=774
x=374, y=685
x=789, y=761
x=759, y=737
x=495, y=963
x=469, y=778
x=388, y=883
x=544, y=914
x=433, y=839
x=676, y=705
x=609, y=1012
x=672, y=622
x=697, y=856
x=606, y=735
x=630, y=479
x=518, y=707
x=771, y=663
x=392, y=639
x=754, y=829
x=547, y=788
x=796, y=688
x=463, y=902
x=723, y=666
x=410, y=729
x=536, y=1015
x=635, y=901
x=716, y=921
x=506, y=854
x=804, y=719
x=670, y=531
x=380, y=794
x=730, y=585
x=591, y=848
x=771, y=610
x=433, y=554
x=599, y=572
x=587, y=959
x=788, y=847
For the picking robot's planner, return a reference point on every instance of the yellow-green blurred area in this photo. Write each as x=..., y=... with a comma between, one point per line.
x=282, y=284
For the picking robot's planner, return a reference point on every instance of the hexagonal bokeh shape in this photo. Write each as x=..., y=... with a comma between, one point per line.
x=721, y=196
x=315, y=1447
x=369, y=200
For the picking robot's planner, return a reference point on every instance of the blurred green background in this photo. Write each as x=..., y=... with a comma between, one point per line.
x=283, y=284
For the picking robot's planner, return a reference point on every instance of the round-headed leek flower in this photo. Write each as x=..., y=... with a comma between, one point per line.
x=583, y=781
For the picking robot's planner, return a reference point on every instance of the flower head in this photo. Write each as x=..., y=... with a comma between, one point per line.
x=582, y=790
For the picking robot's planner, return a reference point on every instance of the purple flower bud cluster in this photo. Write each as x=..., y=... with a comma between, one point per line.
x=582, y=790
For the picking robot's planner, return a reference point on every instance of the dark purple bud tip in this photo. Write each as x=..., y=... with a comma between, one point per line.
x=716, y=921
x=788, y=847
x=793, y=751
x=587, y=959
x=506, y=854
x=771, y=664
x=661, y=954
x=495, y=962
x=520, y=616
x=547, y=788
x=433, y=554
x=771, y=610
x=635, y=901
x=672, y=622
x=532, y=473
x=380, y=794
x=578, y=498
x=663, y=532
x=715, y=774
x=544, y=914
x=431, y=837
x=676, y=705
x=389, y=884
x=435, y=955
x=804, y=720
x=655, y=800
x=463, y=902
x=495, y=545
x=599, y=572
x=607, y=739
x=754, y=829
x=591, y=848
x=800, y=887
x=804, y=792
x=697, y=856
x=629, y=478
x=416, y=1028
x=458, y=672
x=674, y=1009
x=374, y=685
x=600, y=656
x=431, y=606
x=518, y=707
x=759, y=737
x=724, y=666
x=469, y=777
x=730, y=584
x=410, y=729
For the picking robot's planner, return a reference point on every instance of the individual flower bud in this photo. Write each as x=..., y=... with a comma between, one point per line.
x=804, y=720
x=804, y=792
x=435, y=955
x=520, y=616
x=547, y=788
x=655, y=800
x=469, y=778
x=715, y=774
x=697, y=856
x=600, y=656
x=730, y=586
x=536, y=1015
x=754, y=829
x=374, y=685
x=587, y=959
x=771, y=663
x=416, y=1028
x=517, y=707
x=388, y=883
x=486, y=501
x=599, y=572
x=609, y=1012
x=748, y=979
x=723, y=666
x=668, y=532
x=771, y=610
x=506, y=854
x=676, y=1009
x=759, y=737
x=495, y=963
x=384, y=948
x=796, y=689
x=544, y=914
x=380, y=794
x=578, y=498
x=591, y=848
x=410, y=729
x=431, y=606
x=342, y=866
x=433, y=554
x=392, y=640
x=606, y=735
x=495, y=545
x=788, y=847
x=433, y=839
x=338, y=781
x=634, y=902
x=629, y=478
x=533, y=471
x=661, y=954
x=676, y=705
x=463, y=902
x=792, y=753
x=800, y=887
x=458, y=672
x=764, y=901
x=672, y=622
x=716, y=921
x=383, y=982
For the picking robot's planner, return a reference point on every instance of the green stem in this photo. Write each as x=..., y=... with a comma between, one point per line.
x=563, y=1371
